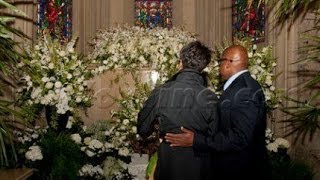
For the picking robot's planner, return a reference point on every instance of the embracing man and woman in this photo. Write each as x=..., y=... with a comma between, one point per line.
x=206, y=137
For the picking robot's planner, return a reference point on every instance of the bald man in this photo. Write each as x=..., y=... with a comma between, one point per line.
x=239, y=141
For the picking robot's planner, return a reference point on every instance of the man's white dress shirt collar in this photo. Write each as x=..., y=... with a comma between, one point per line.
x=232, y=78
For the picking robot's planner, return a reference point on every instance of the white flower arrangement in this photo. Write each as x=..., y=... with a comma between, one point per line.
x=93, y=149
x=274, y=144
x=135, y=48
x=54, y=75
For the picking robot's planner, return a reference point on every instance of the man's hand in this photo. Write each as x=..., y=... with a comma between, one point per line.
x=184, y=139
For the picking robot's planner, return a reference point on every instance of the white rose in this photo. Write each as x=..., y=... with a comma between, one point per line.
x=34, y=153
x=58, y=84
x=273, y=147
x=76, y=138
x=69, y=76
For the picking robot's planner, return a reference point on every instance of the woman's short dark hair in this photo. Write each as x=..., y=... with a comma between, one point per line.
x=195, y=55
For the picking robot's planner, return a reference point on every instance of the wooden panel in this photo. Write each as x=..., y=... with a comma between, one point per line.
x=213, y=21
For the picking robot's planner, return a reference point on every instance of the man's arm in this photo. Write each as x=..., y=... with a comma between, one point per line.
x=148, y=114
x=188, y=138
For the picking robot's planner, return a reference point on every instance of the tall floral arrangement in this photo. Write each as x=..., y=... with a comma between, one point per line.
x=54, y=75
x=135, y=48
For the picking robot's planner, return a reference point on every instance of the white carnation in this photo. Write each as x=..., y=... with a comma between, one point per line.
x=282, y=143
x=49, y=85
x=34, y=153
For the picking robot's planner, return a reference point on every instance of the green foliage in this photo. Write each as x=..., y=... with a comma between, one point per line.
x=304, y=115
x=62, y=156
x=9, y=56
x=298, y=170
x=286, y=9
x=152, y=164
x=284, y=168
x=304, y=120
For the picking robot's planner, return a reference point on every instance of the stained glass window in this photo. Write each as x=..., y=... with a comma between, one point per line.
x=248, y=20
x=55, y=18
x=151, y=14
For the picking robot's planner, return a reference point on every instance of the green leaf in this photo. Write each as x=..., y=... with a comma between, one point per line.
x=152, y=164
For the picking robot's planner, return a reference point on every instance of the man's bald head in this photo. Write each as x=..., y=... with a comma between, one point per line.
x=239, y=54
x=236, y=57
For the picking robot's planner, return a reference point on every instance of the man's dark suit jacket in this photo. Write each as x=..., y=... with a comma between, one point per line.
x=182, y=101
x=240, y=139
